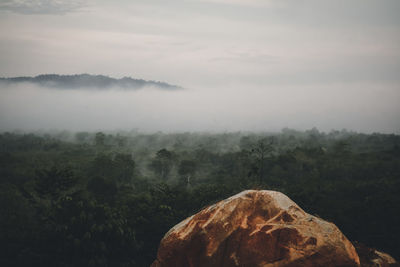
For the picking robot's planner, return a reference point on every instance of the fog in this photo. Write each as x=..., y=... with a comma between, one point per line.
x=363, y=108
x=254, y=65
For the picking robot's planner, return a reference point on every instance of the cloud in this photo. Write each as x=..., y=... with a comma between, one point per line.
x=42, y=6
x=250, y=3
x=363, y=107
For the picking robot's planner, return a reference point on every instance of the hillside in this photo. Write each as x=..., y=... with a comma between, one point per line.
x=87, y=81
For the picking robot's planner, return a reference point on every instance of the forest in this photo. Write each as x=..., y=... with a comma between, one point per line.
x=107, y=198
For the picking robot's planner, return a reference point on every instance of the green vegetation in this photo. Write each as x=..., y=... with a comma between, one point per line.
x=100, y=199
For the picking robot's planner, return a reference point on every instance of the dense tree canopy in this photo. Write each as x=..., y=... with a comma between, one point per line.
x=106, y=199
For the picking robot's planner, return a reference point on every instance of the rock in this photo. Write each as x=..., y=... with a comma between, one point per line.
x=383, y=259
x=370, y=257
x=255, y=228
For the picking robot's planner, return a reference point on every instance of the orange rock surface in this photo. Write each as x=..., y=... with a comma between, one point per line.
x=255, y=228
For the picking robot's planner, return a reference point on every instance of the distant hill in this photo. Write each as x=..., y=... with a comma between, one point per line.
x=87, y=81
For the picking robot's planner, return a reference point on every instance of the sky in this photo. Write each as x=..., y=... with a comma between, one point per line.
x=246, y=65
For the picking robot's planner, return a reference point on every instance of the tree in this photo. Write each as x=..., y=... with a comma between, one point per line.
x=51, y=183
x=187, y=169
x=162, y=163
x=82, y=137
x=99, y=139
x=102, y=165
x=261, y=151
x=124, y=166
x=103, y=189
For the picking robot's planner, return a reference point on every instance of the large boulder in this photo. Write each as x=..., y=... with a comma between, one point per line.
x=255, y=228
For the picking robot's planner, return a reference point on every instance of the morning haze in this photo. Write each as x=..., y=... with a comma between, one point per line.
x=244, y=65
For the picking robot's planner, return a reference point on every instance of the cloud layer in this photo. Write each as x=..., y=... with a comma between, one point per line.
x=364, y=108
x=42, y=6
x=219, y=47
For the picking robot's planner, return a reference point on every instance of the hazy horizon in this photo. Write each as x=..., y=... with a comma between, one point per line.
x=245, y=65
x=31, y=108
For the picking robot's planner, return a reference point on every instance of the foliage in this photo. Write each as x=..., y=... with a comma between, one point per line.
x=106, y=199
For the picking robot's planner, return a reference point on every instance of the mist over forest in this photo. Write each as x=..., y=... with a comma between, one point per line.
x=103, y=103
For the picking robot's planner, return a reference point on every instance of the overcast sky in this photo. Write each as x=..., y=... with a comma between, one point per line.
x=246, y=64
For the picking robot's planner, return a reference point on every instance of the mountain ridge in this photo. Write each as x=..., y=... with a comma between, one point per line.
x=77, y=81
